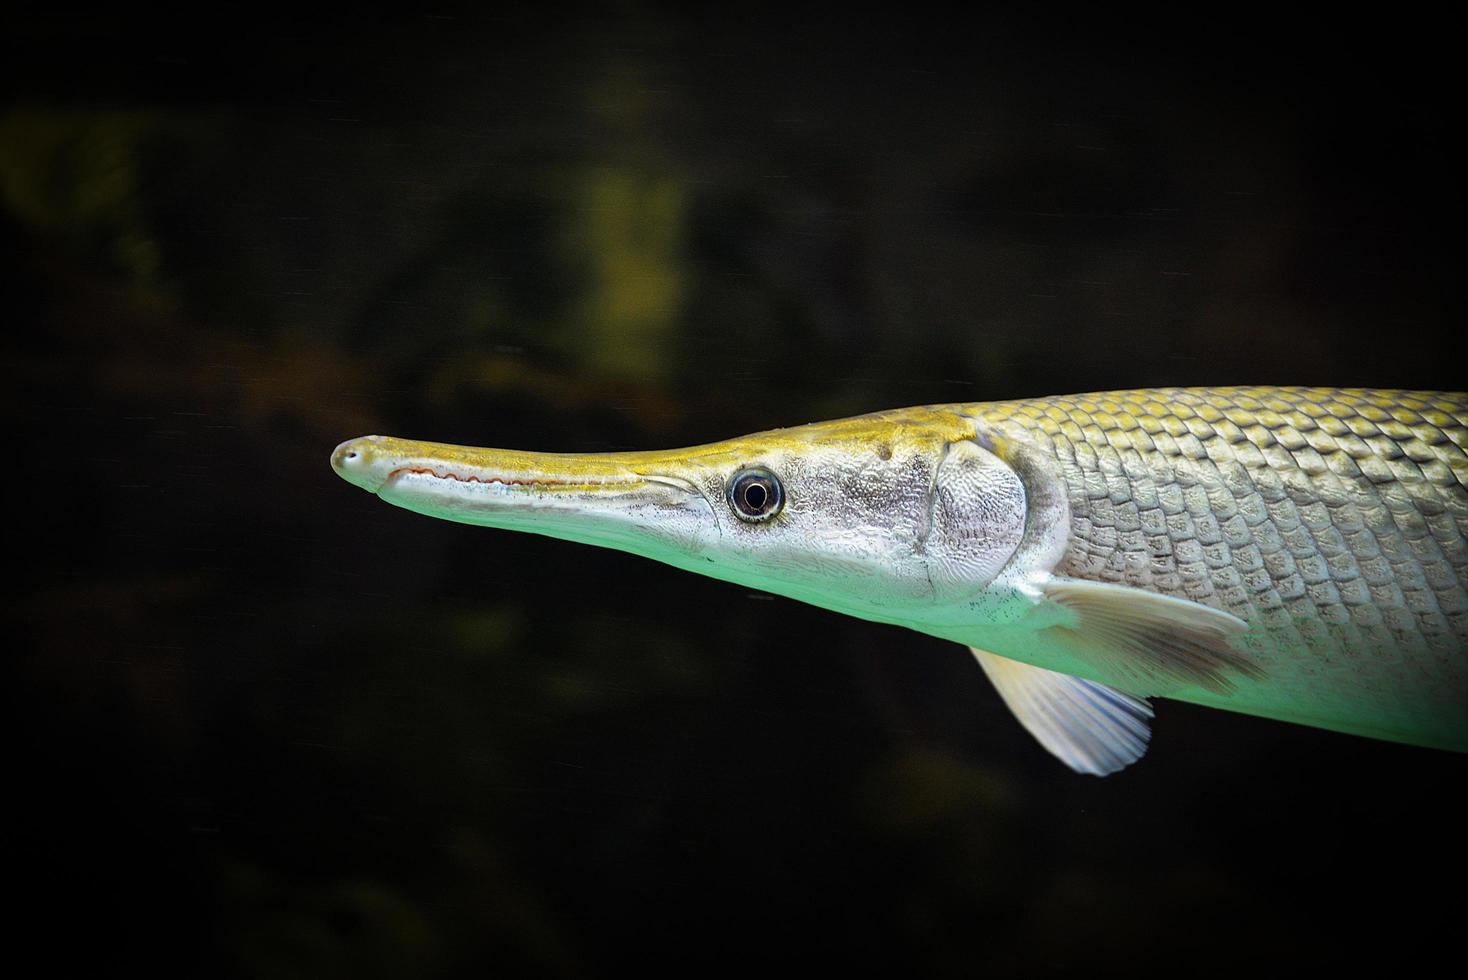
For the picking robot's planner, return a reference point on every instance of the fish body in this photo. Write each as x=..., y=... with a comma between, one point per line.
x=1294, y=553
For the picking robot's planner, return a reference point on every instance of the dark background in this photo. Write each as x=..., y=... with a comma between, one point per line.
x=265, y=726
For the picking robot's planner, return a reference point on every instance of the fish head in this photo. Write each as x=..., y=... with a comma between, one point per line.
x=880, y=516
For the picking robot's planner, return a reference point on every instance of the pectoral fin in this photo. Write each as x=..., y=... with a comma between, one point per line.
x=1150, y=643
x=1090, y=727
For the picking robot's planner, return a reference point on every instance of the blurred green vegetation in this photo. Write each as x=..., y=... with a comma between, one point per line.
x=632, y=226
x=272, y=728
x=73, y=177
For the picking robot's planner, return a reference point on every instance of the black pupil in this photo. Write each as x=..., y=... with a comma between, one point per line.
x=755, y=495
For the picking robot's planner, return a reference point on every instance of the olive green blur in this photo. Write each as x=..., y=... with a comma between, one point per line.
x=266, y=727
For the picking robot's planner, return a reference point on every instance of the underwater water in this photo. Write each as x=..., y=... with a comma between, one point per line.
x=268, y=726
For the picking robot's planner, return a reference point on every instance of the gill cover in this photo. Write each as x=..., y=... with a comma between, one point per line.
x=977, y=514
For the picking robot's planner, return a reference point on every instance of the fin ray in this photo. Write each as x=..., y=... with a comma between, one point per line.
x=1151, y=643
x=1092, y=728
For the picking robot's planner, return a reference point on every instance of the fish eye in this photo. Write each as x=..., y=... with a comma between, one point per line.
x=756, y=495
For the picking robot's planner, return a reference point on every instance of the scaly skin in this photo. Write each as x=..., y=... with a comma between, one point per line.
x=1334, y=522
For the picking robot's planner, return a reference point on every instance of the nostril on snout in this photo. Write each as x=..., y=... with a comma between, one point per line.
x=346, y=455
x=357, y=461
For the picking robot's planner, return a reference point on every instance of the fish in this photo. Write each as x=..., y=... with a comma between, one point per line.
x=1293, y=553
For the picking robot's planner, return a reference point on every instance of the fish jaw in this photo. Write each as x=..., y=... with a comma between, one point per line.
x=597, y=499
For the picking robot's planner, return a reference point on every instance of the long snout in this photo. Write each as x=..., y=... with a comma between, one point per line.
x=636, y=502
